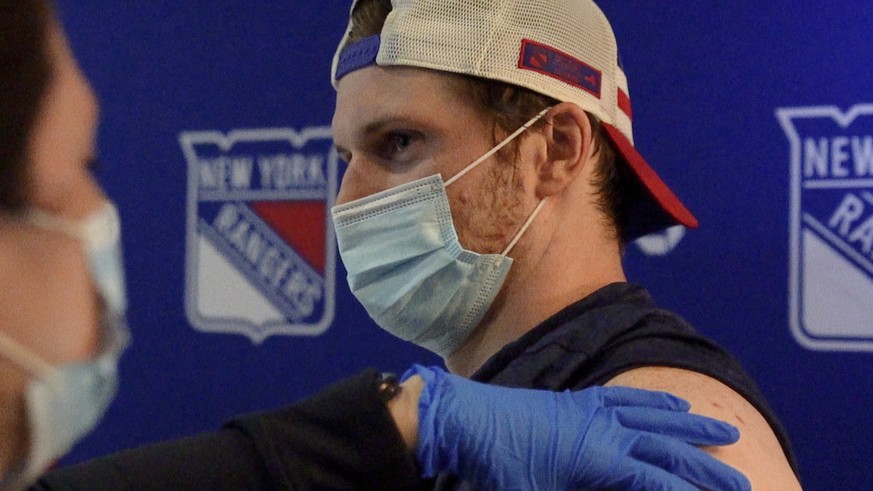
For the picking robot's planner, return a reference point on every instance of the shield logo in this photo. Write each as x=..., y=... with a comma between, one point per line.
x=831, y=250
x=260, y=248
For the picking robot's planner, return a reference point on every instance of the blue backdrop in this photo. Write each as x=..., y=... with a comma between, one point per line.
x=742, y=106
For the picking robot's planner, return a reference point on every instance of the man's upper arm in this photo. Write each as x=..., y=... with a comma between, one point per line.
x=757, y=454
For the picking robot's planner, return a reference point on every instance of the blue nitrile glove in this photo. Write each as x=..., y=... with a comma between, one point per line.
x=601, y=437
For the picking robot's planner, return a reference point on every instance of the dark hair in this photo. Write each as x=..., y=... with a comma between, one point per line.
x=25, y=73
x=509, y=107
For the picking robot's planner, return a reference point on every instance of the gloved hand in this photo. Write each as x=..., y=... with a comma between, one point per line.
x=601, y=437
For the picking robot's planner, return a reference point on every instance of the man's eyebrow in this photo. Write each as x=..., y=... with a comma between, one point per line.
x=362, y=133
x=379, y=125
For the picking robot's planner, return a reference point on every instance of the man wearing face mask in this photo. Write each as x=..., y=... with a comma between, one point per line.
x=62, y=332
x=491, y=187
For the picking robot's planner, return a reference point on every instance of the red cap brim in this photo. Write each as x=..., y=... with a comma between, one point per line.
x=663, y=208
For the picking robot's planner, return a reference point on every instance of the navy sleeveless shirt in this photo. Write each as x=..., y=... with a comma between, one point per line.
x=613, y=330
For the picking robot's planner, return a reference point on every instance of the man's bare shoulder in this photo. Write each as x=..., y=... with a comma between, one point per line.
x=757, y=454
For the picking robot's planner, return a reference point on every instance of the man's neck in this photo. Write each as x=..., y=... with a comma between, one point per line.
x=529, y=297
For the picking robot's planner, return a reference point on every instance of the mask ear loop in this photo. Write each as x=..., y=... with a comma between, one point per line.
x=491, y=152
x=48, y=221
x=94, y=231
x=498, y=147
x=524, y=227
x=24, y=358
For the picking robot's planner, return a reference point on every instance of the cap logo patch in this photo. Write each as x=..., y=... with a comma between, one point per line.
x=559, y=65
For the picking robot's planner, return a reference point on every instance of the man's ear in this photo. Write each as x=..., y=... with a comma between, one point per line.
x=567, y=133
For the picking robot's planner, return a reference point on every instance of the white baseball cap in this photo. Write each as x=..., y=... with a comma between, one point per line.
x=564, y=49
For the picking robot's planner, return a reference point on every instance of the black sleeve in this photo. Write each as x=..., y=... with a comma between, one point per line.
x=341, y=438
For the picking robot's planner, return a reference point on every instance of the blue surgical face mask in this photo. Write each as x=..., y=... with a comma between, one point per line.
x=65, y=403
x=408, y=269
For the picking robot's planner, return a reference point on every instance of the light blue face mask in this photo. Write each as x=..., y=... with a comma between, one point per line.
x=65, y=403
x=407, y=268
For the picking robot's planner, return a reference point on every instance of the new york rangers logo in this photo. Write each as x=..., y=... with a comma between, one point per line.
x=831, y=270
x=260, y=248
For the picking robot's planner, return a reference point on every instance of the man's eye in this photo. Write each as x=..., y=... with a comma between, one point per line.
x=402, y=141
x=398, y=145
